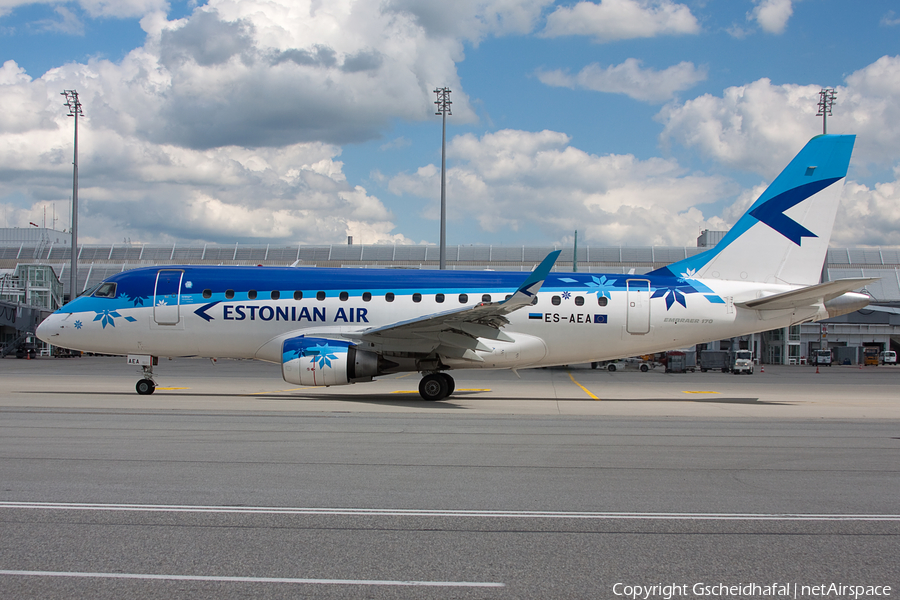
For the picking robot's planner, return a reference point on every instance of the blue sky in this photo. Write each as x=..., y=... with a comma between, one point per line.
x=634, y=121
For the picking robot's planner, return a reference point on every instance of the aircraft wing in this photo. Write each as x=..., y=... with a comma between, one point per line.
x=814, y=294
x=455, y=332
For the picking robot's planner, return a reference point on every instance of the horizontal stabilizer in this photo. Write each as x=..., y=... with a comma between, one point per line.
x=808, y=296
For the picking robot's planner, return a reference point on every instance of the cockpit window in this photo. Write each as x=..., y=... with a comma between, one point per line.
x=90, y=291
x=106, y=290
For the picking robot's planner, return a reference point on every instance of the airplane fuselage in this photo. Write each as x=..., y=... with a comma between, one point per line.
x=247, y=312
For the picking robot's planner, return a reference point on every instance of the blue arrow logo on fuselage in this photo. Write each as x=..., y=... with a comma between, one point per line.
x=771, y=212
x=201, y=312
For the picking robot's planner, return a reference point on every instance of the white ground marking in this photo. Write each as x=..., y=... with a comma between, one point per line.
x=494, y=514
x=252, y=579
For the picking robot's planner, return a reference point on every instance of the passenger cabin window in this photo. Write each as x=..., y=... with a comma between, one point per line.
x=106, y=290
x=229, y=294
x=367, y=296
x=463, y=298
x=207, y=294
x=251, y=295
x=298, y=295
x=275, y=295
x=508, y=296
x=439, y=298
x=344, y=296
x=320, y=296
x=534, y=301
x=485, y=297
x=417, y=297
x=602, y=300
x=389, y=297
x=555, y=300
x=579, y=300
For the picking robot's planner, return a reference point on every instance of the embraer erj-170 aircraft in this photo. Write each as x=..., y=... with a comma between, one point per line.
x=339, y=326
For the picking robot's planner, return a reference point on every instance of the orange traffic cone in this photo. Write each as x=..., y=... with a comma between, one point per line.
x=817, y=369
x=762, y=368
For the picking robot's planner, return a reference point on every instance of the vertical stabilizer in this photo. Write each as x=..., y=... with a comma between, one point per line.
x=784, y=236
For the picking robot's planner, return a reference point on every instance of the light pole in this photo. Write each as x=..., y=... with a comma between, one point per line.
x=74, y=107
x=826, y=100
x=443, y=108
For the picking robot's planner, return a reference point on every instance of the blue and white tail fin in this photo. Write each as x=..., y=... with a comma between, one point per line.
x=783, y=237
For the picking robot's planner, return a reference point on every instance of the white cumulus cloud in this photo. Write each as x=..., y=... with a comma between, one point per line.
x=760, y=126
x=226, y=125
x=510, y=178
x=631, y=79
x=772, y=15
x=610, y=20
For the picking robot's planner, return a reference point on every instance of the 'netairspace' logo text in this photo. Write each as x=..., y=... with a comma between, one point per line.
x=668, y=591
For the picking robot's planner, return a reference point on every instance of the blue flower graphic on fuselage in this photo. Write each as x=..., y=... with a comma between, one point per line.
x=137, y=300
x=107, y=317
x=674, y=293
x=603, y=286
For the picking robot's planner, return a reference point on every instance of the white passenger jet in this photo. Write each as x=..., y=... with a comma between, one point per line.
x=340, y=326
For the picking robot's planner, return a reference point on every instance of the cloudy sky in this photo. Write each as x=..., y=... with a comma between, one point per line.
x=635, y=122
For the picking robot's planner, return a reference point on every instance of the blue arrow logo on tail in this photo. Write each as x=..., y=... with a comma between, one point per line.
x=772, y=214
x=201, y=312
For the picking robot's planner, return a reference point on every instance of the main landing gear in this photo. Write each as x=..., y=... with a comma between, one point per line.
x=436, y=386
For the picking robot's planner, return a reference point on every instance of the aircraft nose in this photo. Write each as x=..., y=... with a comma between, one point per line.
x=49, y=328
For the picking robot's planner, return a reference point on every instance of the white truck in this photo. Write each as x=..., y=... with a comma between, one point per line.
x=743, y=362
x=822, y=358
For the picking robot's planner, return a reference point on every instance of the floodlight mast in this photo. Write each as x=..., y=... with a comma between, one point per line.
x=74, y=107
x=443, y=108
x=826, y=101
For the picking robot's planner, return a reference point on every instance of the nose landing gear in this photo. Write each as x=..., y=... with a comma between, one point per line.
x=146, y=385
x=436, y=386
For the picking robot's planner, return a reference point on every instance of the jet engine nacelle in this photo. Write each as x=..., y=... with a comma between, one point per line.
x=320, y=361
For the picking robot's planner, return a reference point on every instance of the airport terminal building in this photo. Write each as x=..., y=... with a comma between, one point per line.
x=35, y=279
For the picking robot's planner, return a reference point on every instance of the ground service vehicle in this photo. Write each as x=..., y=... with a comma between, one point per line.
x=743, y=362
x=889, y=357
x=715, y=360
x=870, y=355
x=822, y=358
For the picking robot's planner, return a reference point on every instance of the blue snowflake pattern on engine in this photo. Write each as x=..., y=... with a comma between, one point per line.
x=78, y=325
x=107, y=317
x=321, y=352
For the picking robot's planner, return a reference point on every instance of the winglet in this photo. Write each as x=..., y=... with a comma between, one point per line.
x=527, y=291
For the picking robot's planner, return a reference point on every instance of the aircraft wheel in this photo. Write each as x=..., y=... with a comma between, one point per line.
x=145, y=387
x=611, y=368
x=433, y=387
x=451, y=384
x=644, y=368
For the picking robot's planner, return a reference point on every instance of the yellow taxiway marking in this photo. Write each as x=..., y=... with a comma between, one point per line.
x=457, y=390
x=168, y=388
x=278, y=391
x=586, y=391
x=700, y=392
